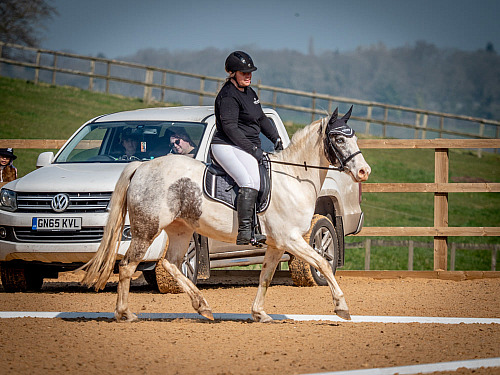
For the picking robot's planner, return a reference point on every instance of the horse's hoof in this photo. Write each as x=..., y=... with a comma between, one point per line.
x=261, y=318
x=207, y=314
x=126, y=317
x=344, y=314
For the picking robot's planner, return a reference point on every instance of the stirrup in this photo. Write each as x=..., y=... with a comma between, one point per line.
x=258, y=243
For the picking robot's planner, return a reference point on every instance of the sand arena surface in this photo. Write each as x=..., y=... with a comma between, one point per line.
x=40, y=346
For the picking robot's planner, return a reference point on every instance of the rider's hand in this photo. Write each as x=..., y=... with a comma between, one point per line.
x=278, y=145
x=257, y=153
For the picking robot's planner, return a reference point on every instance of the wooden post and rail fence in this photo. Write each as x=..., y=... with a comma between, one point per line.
x=368, y=113
x=441, y=187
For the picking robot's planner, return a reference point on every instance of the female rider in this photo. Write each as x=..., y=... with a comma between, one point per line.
x=236, y=143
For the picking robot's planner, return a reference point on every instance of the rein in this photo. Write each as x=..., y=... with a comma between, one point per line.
x=330, y=168
x=305, y=166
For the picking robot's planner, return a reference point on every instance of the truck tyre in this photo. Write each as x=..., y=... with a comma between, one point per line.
x=165, y=283
x=20, y=278
x=322, y=237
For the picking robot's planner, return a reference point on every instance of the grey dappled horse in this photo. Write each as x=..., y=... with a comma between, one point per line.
x=166, y=194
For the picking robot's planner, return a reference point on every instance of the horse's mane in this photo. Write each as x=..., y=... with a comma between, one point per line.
x=301, y=136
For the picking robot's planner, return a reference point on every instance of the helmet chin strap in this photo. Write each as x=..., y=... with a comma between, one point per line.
x=236, y=83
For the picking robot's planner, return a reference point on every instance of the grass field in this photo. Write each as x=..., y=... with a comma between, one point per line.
x=29, y=111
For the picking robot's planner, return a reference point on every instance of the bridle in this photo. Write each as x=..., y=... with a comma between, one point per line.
x=338, y=155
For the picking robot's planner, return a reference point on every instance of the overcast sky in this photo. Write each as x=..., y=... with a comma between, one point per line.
x=122, y=27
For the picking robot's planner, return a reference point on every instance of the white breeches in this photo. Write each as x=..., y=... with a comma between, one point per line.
x=240, y=165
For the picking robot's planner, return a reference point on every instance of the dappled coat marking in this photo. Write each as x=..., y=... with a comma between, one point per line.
x=184, y=200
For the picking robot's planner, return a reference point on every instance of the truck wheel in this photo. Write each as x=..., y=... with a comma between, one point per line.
x=322, y=237
x=19, y=278
x=189, y=267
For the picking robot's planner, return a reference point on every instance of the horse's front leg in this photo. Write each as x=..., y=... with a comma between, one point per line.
x=271, y=260
x=301, y=249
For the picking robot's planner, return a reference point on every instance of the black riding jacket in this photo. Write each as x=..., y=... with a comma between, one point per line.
x=240, y=119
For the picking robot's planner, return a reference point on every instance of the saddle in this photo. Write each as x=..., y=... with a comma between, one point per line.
x=221, y=187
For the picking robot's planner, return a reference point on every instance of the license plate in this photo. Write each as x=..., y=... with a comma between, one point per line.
x=51, y=223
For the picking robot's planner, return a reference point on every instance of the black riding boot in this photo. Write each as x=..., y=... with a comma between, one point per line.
x=245, y=204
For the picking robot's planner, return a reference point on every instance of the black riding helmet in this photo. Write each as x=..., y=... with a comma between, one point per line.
x=239, y=61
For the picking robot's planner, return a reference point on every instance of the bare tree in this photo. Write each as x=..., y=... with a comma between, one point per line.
x=21, y=21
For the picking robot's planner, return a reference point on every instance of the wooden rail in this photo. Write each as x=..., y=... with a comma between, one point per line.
x=155, y=78
x=441, y=187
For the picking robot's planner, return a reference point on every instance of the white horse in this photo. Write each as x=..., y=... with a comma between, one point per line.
x=166, y=194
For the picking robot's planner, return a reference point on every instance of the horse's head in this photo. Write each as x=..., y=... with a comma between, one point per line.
x=341, y=147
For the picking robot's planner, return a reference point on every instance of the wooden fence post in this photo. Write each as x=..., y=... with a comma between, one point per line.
x=147, y=89
x=202, y=89
x=313, y=106
x=494, y=259
x=481, y=134
x=386, y=115
x=410, y=255
x=108, y=73
x=417, y=123
x=163, y=83
x=54, y=71
x=424, y=124
x=368, y=245
x=368, y=117
x=441, y=209
x=37, y=69
x=92, y=72
x=453, y=255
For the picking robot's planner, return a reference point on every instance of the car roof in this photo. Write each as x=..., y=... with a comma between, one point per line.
x=183, y=113
x=186, y=113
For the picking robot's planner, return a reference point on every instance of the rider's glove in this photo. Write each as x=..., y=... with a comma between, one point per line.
x=278, y=145
x=257, y=153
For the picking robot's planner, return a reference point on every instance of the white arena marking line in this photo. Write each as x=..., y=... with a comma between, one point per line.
x=421, y=369
x=231, y=316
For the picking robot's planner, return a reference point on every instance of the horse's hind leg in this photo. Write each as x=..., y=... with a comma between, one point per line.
x=179, y=237
x=271, y=260
x=301, y=249
x=128, y=265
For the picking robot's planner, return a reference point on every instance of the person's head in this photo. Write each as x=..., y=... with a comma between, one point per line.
x=6, y=156
x=240, y=66
x=181, y=143
x=129, y=142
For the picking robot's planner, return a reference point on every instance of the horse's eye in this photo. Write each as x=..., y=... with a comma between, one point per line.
x=340, y=140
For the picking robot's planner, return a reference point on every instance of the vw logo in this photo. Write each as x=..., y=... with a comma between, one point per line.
x=60, y=202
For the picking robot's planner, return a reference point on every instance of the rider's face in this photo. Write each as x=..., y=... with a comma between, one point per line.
x=243, y=79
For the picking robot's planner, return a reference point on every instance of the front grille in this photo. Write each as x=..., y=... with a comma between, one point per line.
x=87, y=234
x=78, y=202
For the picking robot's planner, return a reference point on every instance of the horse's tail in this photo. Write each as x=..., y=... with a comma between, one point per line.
x=99, y=268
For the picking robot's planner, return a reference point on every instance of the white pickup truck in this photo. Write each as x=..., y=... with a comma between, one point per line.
x=52, y=219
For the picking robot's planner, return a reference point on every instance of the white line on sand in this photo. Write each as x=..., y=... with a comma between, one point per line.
x=421, y=369
x=231, y=316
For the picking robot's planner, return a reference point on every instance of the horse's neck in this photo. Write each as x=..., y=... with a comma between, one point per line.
x=308, y=148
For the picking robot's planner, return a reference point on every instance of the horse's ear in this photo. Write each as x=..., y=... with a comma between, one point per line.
x=334, y=116
x=347, y=116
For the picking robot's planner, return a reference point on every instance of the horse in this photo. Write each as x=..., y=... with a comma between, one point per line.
x=166, y=194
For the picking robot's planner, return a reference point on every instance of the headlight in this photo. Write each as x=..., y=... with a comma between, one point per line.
x=8, y=200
